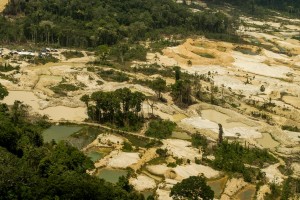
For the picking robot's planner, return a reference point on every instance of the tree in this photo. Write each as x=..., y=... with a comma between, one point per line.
x=160, y=128
x=103, y=52
x=177, y=73
x=193, y=188
x=159, y=85
x=85, y=98
x=3, y=92
x=262, y=88
x=221, y=132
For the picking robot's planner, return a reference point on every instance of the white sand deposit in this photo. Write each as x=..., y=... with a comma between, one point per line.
x=193, y=169
x=142, y=182
x=273, y=174
x=296, y=168
x=123, y=160
x=158, y=169
x=181, y=149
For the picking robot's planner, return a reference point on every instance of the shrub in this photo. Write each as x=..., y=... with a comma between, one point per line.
x=160, y=128
x=72, y=54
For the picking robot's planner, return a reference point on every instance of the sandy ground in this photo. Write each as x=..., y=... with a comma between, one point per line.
x=273, y=174
x=232, y=186
x=142, y=182
x=54, y=113
x=147, y=156
x=263, y=190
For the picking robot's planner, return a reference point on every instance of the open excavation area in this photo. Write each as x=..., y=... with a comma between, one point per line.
x=244, y=96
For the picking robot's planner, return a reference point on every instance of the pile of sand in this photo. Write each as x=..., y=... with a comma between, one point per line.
x=181, y=149
x=123, y=160
x=273, y=174
x=232, y=186
x=193, y=169
x=142, y=182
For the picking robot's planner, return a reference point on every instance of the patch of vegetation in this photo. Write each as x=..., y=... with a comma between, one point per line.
x=162, y=152
x=160, y=128
x=9, y=78
x=72, y=54
x=158, y=46
x=296, y=37
x=63, y=88
x=290, y=128
x=232, y=157
x=127, y=147
x=43, y=60
x=199, y=140
x=157, y=161
x=7, y=67
x=246, y=50
x=205, y=55
x=194, y=187
x=153, y=69
x=112, y=75
x=173, y=165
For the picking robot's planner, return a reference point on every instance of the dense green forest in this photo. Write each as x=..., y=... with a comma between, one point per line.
x=90, y=23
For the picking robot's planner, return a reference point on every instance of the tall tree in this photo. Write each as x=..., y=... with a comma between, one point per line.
x=193, y=188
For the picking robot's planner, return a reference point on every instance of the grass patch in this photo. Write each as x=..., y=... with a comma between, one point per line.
x=72, y=54
x=63, y=88
x=290, y=128
x=246, y=50
x=43, y=60
x=8, y=67
x=112, y=75
x=142, y=142
x=157, y=161
x=204, y=55
x=160, y=129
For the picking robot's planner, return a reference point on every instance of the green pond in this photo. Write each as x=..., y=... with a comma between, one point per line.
x=77, y=136
x=218, y=186
x=247, y=193
x=111, y=175
x=59, y=132
x=95, y=155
